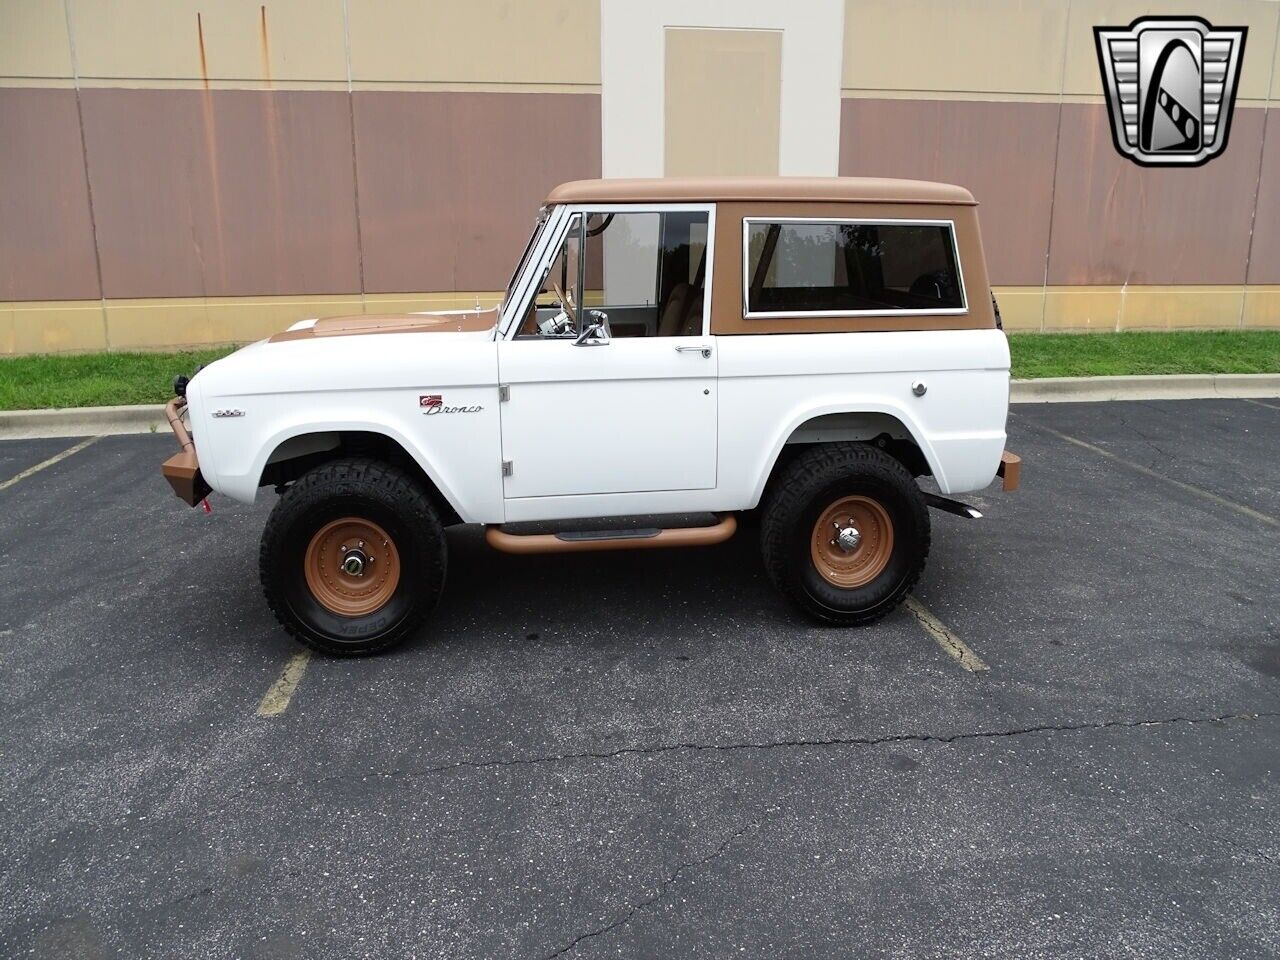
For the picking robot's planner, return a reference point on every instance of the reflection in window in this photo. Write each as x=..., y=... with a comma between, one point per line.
x=842, y=267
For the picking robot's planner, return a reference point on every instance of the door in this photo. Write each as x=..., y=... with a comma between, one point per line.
x=611, y=380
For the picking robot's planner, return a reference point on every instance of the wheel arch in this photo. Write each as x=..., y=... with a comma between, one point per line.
x=296, y=450
x=845, y=421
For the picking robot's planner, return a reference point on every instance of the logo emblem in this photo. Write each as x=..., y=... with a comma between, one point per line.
x=433, y=403
x=1170, y=84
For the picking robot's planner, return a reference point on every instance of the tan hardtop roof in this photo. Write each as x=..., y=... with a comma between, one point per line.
x=800, y=189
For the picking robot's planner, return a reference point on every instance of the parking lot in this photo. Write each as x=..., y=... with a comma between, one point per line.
x=648, y=754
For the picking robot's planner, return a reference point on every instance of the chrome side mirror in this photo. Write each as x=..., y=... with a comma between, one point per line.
x=596, y=333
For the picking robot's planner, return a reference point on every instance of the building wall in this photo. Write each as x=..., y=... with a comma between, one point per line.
x=1005, y=97
x=183, y=172
x=179, y=172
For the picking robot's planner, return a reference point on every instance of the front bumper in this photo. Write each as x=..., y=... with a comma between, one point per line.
x=182, y=470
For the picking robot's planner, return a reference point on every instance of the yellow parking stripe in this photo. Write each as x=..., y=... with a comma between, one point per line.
x=57, y=458
x=956, y=648
x=277, y=698
x=1147, y=471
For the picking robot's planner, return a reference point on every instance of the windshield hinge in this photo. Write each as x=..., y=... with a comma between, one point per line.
x=504, y=392
x=506, y=468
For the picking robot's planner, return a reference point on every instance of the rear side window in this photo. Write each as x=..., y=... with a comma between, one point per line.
x=842, y=267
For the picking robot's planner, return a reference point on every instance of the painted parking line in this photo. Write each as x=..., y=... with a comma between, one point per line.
x=1269, y=406
x=56, y=458
x=954, y=647
x=277, y=698
x=1147, y=471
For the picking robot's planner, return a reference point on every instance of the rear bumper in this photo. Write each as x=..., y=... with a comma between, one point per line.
x=1010, y=470
x=182, y=470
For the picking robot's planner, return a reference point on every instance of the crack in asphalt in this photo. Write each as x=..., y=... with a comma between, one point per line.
x=664, y=748
x=667, y=882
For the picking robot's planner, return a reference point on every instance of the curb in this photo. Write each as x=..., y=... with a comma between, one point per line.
x=1200, y=386
x=83, y=421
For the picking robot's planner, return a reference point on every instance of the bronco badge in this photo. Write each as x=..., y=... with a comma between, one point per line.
x=433, y=403
x=1170, y=84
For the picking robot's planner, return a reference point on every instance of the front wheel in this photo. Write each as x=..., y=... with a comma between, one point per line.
x=845, y=533
x=353, y=557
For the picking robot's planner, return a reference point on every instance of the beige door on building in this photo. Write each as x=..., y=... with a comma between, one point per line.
x=723, y=95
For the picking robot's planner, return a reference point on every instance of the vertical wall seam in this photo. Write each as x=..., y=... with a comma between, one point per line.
x=1053, y=183
x=88, y=183
x=355, y=167
x=1257, y=187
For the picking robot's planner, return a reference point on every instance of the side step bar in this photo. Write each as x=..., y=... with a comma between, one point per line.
x=641, y=539
x=947, y=505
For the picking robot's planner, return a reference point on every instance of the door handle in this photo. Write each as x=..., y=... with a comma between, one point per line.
x=704, y=350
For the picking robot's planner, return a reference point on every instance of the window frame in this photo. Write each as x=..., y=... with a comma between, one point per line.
x=749, y=314
x=554, y=236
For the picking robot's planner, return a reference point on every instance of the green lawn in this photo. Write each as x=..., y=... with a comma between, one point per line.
x=1121, y=354
x=103, y=379
x=95, y=379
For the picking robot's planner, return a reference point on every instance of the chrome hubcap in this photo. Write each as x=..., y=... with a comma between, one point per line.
x=848, y=538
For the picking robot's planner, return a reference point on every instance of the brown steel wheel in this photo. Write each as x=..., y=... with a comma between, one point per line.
x=852, y=542
x=353, y=557
x=352, y=566
x=844, y=532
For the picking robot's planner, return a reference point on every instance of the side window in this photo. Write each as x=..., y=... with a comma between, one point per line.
x=645, y=271
x=839, y=267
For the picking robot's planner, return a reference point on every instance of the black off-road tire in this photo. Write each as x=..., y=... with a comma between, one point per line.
x=828, y=474
x=367, y=492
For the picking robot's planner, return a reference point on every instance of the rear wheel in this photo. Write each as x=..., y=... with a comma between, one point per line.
x=845, y=533
x=353, y=557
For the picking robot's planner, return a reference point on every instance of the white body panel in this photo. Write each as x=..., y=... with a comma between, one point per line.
x=366, y=383
x=631, y=416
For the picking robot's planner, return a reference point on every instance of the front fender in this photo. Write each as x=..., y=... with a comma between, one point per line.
x=459, y=452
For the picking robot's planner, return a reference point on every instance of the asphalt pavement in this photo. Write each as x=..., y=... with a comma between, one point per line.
x=649, y=754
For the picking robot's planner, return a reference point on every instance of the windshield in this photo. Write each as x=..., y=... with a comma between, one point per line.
x=538, y=226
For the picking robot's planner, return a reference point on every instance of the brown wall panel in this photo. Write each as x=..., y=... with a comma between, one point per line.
x=46, y=237
x=1002, y=152
x=450, y=182
x=1115, y=222
x=222, y=193
x=1264, y=256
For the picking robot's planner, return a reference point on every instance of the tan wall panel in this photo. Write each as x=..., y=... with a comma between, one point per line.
x=978, y=45
x=1260, y=16
x=723, y=97
x=58, y=327
x=489, y=41
x=1264, y=252
x=1116, y=222
x=33, y=39
x=1142, y=308
x=46, y=237
x=223, y=193
x=1002, y=152
x=1021, y=308
x=161, y=39
x=1262, y=307
x=450, y=183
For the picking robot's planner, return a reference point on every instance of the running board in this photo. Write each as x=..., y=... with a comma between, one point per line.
x=635, y=539
x=946, y=505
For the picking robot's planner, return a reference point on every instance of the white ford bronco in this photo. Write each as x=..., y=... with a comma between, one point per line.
x=670, y=356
